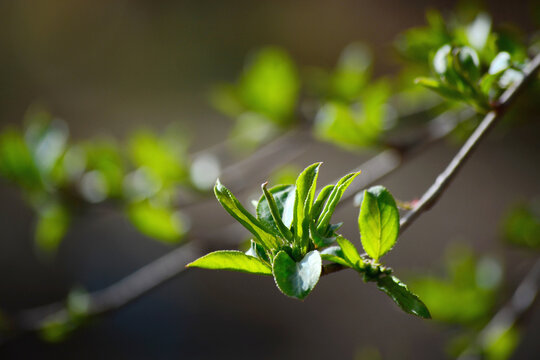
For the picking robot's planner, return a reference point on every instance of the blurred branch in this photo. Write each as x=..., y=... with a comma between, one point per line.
x=523, y=299
x=116, y=295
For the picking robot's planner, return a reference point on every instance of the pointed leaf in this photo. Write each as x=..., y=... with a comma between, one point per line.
x=297, y=279
x=402, y=296
x=276, y=215
x=350, y=253
x=333, y=199
x=335, y=254
x=236, y=210
x=320, y=240
x=378, y=221
x=284, y=196
x=232, y=260
x=305, y=194
x=256, y=250
x=321, y=199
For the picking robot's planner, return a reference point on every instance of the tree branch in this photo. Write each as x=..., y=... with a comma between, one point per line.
x=445, y=178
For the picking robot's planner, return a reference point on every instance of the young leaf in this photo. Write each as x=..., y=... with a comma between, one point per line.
x=297, y=279
x=335, y=254
x=440, y=88
x=232, y=260
x=233, y=207
x=284, y=196
x=333, y=199
x=402, y=296
x=350, y=253
x=305, y=193
x=319, y=239
x=321, y=199
x=256, y=250
x=378, y=222
x=276, y=215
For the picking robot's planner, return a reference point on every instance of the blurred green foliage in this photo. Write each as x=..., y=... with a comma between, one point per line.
x=263, y=100
x=58, y=177
x=467, y=292
x=521, y=225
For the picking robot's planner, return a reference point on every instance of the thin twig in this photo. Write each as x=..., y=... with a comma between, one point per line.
x=445, y=178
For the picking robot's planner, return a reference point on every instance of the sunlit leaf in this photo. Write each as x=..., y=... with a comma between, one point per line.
x=236, y=210
x=233, y=261
x=402, y=296
x=378, y=221
x=350, y=253
x=284, y=197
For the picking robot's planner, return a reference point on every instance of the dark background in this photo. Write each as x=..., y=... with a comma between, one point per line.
x=107, y=67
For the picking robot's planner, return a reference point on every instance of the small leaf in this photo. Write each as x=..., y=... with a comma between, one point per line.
x=333, y=199
x=468, y=63
x=232, y=260
x=440, y=88
x=256, y=250
x=162, y=223
x=335, y=254
x=276, y=214
x=306, y=184
x=236, y=210
x=319, y=239
x=402, y=296
x=284, y=196
x=500, y=63
x=52, y=225
x=321, y=199
x=378, y=222
x=350, y=253
x=297, y=279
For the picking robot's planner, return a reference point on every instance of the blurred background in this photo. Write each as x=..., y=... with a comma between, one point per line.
x=108, y=67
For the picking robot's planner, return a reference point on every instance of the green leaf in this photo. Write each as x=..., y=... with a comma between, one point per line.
x=284, y=198
x=256, y=250
x=521, y=226
x=52, y=225
x=164, y=157
x=333, y=199
x=402, y=296
x=468, y=63
x=319, y=239
x=297, y=279
x=232, y=260
x=270, y=85
x=306, y=184
x=276, y=216
x=350, y=253
x=321, y=199
x=335, y=254
x=440, y=88
x=378, y=222
x=236, y=210
x=158, y=222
